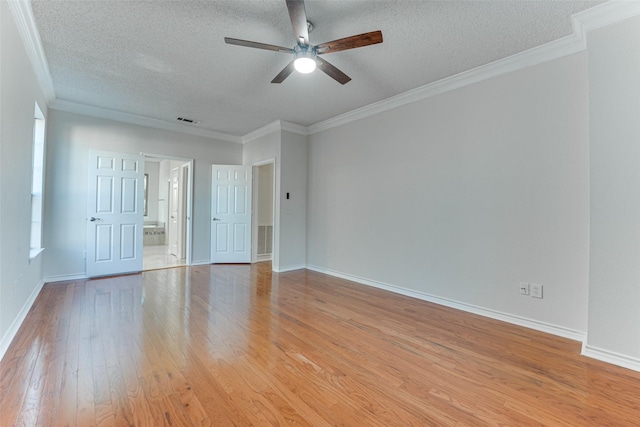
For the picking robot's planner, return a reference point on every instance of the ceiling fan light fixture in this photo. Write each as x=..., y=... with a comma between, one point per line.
x=305, y=55
x=305, y=62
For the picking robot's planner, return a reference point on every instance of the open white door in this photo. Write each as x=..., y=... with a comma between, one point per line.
x=231, y=214
x=114, y=213
x=174, y=203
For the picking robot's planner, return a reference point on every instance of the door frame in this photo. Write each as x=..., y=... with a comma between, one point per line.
x=182, y=209
x=254, y=212
x=189, y=202
x=174, y=203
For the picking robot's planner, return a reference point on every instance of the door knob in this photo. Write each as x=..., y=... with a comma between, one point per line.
x=93, y=218
x=216, y=219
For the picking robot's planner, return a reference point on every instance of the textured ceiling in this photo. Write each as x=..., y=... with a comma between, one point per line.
x=165, y=59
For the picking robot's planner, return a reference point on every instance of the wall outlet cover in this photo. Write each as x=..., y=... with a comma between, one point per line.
x=536, y=290
x=524, y=288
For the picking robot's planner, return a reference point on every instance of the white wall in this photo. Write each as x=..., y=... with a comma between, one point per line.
x=261, y=149
x=265, y=194
x=614, y=292
x=463, y=195
x=293, y=211
x=71, y=136
x=20, y=280
x=460, y=196
x=258, y=150
x=290, y=153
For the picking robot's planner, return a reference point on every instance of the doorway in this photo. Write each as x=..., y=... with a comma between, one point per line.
x=264, y=206
x=167, y=212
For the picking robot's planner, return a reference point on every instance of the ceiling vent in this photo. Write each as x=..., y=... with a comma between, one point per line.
x=183, y=119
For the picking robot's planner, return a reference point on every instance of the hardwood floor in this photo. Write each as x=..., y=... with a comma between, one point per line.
x=237, y=345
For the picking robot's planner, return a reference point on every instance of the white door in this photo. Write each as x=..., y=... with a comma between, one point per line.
x=182, y=211
x=174, y=203
x=231, y=214
x=114, y=213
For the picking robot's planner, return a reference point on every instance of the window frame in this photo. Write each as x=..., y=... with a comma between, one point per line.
x=37, y=183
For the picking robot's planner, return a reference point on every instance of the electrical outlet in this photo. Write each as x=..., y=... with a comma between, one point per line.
x=536, y=290
x=524, y=288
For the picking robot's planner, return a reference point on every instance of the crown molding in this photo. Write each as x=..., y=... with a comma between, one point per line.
x=23, y=17
x=596, y=17
x=277, y=126
x=553, y=50
x=602, y=15
x=294, y=128
x=103, y=113
x=260, y=132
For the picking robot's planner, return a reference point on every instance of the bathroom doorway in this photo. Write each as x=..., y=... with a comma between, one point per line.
x=167, y=212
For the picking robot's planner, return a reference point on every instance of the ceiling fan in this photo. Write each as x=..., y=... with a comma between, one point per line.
x=305, y=55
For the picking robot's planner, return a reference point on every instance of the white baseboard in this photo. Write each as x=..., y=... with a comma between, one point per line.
x=493, y=314
x=263, y=258
x=65, y=278
x=13, y=329
x=612, y=357
x=201, y=262
x=289, y=268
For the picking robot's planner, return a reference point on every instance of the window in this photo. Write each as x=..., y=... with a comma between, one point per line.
x=37, y=183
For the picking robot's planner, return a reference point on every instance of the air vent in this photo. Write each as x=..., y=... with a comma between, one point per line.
x=183, y=119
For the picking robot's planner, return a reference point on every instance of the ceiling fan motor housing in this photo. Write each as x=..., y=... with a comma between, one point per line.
x=304, y=51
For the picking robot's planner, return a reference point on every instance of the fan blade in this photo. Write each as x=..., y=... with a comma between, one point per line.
x=299, y=21
x=352, y=42
x=332, y=71
x=257, y=45
x=286, y=71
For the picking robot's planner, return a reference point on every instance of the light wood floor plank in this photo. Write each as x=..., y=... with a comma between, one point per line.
x=238, y=345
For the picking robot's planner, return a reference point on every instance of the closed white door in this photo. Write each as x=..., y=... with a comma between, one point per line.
x=174, y=203
x=231, y=214
x=114, y=213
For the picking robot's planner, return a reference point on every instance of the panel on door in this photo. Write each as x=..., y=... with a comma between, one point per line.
x=114, y=214
x=231, y=214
